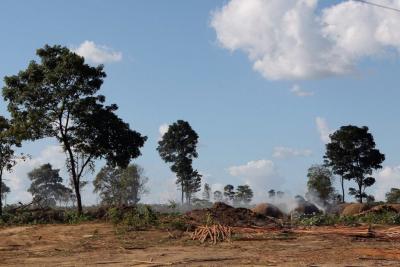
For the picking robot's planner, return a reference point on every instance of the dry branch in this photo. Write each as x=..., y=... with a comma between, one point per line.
x=215, y=233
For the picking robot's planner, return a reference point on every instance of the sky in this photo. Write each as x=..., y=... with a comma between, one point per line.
x=263, y=82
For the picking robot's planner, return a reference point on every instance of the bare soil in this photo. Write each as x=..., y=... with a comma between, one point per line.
x=102, y=244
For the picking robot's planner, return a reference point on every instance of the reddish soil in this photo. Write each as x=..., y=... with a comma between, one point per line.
x=101, y=244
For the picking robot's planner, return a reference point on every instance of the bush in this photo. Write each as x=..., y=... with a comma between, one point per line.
x=137, y=218
x=385, y=217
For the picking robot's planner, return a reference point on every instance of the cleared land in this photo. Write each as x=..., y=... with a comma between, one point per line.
x=101, y=244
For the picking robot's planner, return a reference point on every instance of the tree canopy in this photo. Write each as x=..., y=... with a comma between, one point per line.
x=8, y=142
x=120, y=186
x=58, y=97
x=178, y=146
x=393, y=196
x=46, y=187
x=244, y=194
x=319, y=184
x=352, y=155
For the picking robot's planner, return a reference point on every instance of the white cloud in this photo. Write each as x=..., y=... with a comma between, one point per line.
x=323, y=130
x=260, y=175
x=18, y=180
x=281, y=152
x=162, y=130
x=292, y=39
x=298, y=91
x=97, y=54
x=386, y=178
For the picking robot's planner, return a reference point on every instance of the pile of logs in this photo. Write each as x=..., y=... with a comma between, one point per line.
x=214, y=233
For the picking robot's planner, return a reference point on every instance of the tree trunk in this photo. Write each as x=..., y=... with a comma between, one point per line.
x=1, y=190
x=360, y=199
x=182, y=193
x=78, y=197
x=342, y=180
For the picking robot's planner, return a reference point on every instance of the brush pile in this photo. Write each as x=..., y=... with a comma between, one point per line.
x=214, y=233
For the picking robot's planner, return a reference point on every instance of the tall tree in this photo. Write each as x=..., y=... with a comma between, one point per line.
x=218, y=196
x=8, y=142
x=207, y=192
x=4, y=191
x=229, y=192
x=393, y=196
x=58, y=97
x=118, y=186
x=46, y=187
x=178, y=146
x=244, y=194
x=271, y=193
x=320, y=183
x=352, y=155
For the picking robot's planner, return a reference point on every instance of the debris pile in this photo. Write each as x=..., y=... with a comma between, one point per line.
x=221, y=213
x=214, y=233
x=268, y=210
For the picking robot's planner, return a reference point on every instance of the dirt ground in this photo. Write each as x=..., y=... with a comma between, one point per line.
x=101, y=244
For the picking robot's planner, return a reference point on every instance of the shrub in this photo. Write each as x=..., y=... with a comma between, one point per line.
x=137, y=218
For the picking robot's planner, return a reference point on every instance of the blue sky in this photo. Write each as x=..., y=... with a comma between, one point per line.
x=192, y=60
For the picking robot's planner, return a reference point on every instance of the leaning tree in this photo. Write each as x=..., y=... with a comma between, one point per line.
x=178, y=146
x=352, y=155
x=58, y=97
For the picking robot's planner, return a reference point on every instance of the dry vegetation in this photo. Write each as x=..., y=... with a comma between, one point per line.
x=140, y=237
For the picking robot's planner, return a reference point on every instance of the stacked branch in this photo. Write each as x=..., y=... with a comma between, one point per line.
x=214, y=233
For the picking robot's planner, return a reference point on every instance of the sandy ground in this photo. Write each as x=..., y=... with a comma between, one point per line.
x=101, y=244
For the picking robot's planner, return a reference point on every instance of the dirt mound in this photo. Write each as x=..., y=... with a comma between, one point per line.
x=354, y=209
x=268, y=210
x=380, y=209
x=307, y=208
x=395, y=206
x=337, y=209
x=228, y=215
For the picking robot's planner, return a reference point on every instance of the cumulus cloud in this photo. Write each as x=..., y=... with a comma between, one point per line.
x=298, y=91
x=386, y=178
x=259, y=174
x=18, y=180
x=292, y=39
x=281, y=152
x=323, y=129
x=97, y=54
x=162, y=130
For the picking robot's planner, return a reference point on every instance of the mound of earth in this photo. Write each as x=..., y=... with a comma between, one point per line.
x=268, y=210
x=380, y=209
x=395, y=206
x=228, y=215
x=354, y=209
x=337, y=209
x=307, y=208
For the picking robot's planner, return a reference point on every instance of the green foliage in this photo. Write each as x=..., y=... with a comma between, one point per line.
x=73, y=217
x=229, y=192
x=244, y=194
x=319, y=183
x=178, y=146
x=393, y=196
x=137, y=218
x=58, y=97
x=352, y=155
x=120, y=186
x=385, y=217
x=7, y=154
x=209, y=220
x=47, y=187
